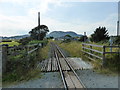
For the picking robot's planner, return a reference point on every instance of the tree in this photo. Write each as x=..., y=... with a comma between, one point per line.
x=51, y=37
x=83, y=38
x=67, y=35
x=24, y=41
x=67, y=38
x=39, y=32
x=117, y=40
x=99, y=34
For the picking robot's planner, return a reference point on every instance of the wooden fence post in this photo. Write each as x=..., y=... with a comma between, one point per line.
x=83, y=46
x=4, y=58
x=91, y=50
x=0, y=61
x=104, y=61
x=82, y=49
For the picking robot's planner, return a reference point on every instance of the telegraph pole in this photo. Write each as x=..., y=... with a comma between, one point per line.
x=84, y=33
x=84, y=36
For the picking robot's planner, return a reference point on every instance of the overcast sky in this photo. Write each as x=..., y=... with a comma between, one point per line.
x=18, y=17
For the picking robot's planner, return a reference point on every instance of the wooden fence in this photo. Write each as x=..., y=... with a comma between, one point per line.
x=16, y=50
x=99, y=54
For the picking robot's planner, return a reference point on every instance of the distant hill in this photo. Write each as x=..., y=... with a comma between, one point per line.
x=16, y=37
x=57, y=34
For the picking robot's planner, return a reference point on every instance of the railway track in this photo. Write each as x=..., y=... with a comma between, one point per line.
x=69, y=76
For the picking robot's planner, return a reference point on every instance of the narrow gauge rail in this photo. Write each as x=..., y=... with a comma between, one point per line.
x=69, y=77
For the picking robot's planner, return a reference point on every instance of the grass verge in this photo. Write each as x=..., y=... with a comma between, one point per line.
x=43, y=52
x=112, y=61
x=21, y=68
x=73, y=48
x=10, y=77
x=37, y=41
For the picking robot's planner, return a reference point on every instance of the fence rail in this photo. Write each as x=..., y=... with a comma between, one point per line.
x=89, y=49
x=32, y=50
x=16, y=50
x=92, y=45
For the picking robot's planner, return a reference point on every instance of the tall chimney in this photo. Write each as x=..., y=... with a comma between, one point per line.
x=38, y=18
x=117, y=28
x=118, y=22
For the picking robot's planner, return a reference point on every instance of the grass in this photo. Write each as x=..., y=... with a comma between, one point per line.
x=112, y=60
x=10, y=77
x=10, y=43
x=15, y=58
x=43, y=52
x=37, y=41
x=21, y=68
x=109, y=69
x=74, y=48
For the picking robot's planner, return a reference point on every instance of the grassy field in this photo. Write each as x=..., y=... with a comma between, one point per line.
x=43, y=52
x=74, y=49
x=37, y=41
x=10, y=43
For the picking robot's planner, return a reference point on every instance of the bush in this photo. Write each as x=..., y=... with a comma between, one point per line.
x=19, y=67
x=112, y=61
x=25, y=41
x=6, y=40
x=117, y=40
x=67, y=40
x=83, y=38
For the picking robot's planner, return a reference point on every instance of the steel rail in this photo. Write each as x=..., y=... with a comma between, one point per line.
x=61, y=71
x=70, y=66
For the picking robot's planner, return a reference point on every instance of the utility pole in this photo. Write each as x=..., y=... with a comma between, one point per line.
x=84, y=33
x=38, y=18
x=117, y=28
x=84, y=36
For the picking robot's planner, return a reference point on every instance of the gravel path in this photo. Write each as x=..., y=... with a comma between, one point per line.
x=89, y=78
x=53, y=80
x=94, y=80
x=80, y=63
x=48, y=80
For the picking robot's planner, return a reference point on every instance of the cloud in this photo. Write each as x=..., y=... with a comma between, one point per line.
x=35, y=5
x=51, y=0
x=109, y=23
x=43, y=6
x=90, y=0
x=14, y=25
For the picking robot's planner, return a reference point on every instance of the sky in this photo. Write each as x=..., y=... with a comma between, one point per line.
x=18, y=17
